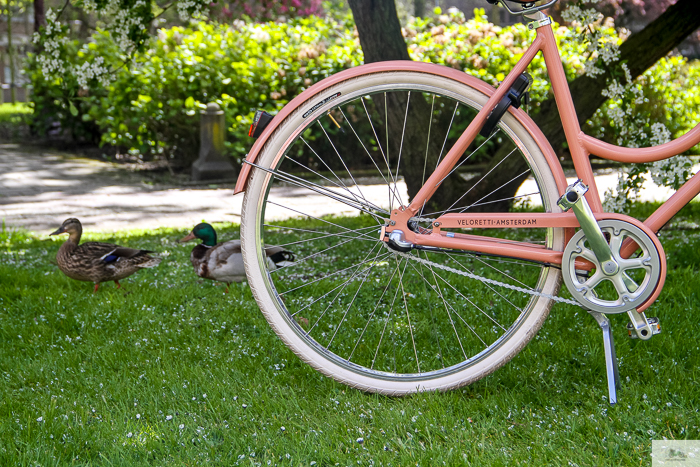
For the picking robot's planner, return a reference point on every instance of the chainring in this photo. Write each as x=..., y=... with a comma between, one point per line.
x=636, y=280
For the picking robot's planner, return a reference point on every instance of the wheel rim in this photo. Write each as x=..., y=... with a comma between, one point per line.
x=355, y=302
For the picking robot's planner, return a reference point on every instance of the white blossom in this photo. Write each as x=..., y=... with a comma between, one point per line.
x=184, y=6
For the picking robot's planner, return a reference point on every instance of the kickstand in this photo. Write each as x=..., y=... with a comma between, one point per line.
x=610, y=357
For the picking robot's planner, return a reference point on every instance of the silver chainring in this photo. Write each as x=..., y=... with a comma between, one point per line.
x=635, y=281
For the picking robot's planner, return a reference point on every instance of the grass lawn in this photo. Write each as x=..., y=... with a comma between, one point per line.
x=171, y=371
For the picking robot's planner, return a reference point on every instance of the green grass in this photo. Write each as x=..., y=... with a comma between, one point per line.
x=171, y=371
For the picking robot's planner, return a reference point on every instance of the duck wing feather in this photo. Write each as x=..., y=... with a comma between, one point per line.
x=225, y=262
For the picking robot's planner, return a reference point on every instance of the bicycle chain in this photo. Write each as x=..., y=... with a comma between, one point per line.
x=482, y=279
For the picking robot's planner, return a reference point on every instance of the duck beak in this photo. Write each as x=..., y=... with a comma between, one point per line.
x=189, y=237
x=58, y=231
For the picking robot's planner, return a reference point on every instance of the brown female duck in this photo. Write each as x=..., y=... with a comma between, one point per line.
x=223, y=262
x=98, y=262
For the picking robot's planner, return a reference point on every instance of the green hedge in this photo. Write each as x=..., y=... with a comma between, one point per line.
x=152, y=107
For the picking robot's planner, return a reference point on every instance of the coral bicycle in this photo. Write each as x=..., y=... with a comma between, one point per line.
x=402, y=289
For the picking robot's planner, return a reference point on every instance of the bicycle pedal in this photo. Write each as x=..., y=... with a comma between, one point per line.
x=654, y=324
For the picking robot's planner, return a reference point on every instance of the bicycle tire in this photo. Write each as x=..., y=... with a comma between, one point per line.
x=282, y=312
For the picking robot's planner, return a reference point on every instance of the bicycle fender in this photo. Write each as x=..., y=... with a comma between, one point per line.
x=397, y=65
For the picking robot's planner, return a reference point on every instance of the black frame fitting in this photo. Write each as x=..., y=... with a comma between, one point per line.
x=515, y=97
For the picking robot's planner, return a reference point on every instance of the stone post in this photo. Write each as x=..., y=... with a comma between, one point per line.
x=212, y=164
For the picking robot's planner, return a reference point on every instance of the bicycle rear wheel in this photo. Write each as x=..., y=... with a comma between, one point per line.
x=354, y=310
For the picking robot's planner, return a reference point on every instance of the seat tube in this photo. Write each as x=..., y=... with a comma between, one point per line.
x=567, y=113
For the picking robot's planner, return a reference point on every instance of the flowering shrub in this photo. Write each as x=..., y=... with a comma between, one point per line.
x=627, y=120
x=153, y=109
x=628, y=11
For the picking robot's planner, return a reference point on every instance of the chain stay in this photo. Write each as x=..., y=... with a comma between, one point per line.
x=479, y=278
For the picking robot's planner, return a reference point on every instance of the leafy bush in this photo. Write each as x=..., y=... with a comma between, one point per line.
x=153, y=109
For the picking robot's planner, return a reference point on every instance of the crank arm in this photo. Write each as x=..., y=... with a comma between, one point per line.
x=574, y=199
x=644, y=327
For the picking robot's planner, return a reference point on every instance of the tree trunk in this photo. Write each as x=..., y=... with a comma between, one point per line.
x=418, y=8
x=379, y=30
x=39, y=15
x=495, y=15
x=381, y=39
x=11, y=55
x=641, y=51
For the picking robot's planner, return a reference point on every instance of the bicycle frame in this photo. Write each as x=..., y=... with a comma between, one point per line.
x=580, y=144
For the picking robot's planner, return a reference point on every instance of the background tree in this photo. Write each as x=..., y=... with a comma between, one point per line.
x=381, y=39
x=39, y=15
x=628, y=14
x=418, y=8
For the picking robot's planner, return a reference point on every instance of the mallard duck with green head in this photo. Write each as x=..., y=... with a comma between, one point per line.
x=223, y=262
x=95, y=261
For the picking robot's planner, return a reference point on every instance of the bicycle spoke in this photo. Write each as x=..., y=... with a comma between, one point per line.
x=300, y=261
x=324, y=163
x=341, y=160
x=392, y=194
x=294, y=180
x=465, y=160
x=326, y=236
x=470, y=302
x=445, y=304
x=488, y=286
x=386, y=321
x=403, y=133
x=477, y=183
x=427, y=142
x=442, y=150
x=338, y=294
x=317, y=218
x=347, y=309
x=408, y=317
x=512, y=198
x=458, y=315
x=297, y=229
x=363, y=144
x=475, y=203
x=306, y=284
x=330, y=181
x=359, y=339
